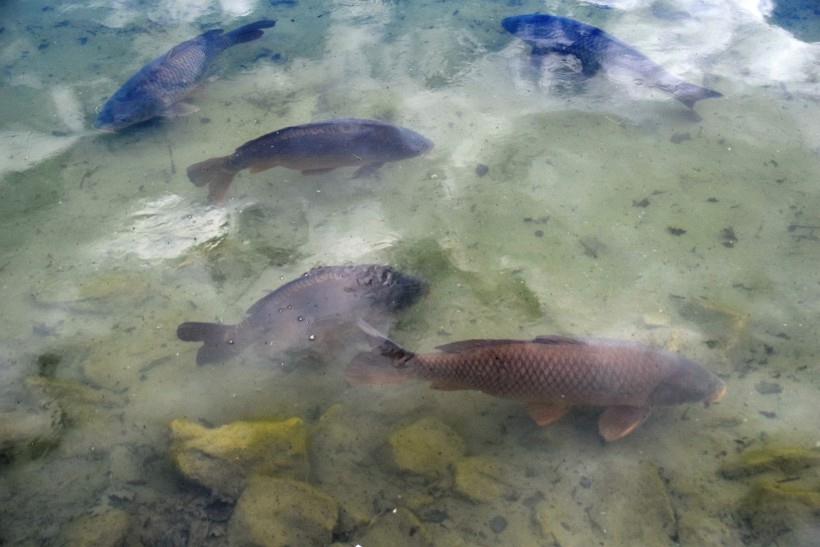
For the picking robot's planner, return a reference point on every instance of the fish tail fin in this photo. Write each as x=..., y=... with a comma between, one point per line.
x=689, y=94
x=217, y=173
x=248, y=32
x=218, y=341
x=386, y=365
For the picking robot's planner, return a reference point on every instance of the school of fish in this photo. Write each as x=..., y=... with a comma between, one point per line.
x=550, y=374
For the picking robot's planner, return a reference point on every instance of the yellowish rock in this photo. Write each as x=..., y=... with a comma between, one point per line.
x=481, y=479
x=278, y=512
x=223, y=458
x=426, y=447
x=108, y=529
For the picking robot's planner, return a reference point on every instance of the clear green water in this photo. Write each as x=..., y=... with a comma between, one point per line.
x=606, y=211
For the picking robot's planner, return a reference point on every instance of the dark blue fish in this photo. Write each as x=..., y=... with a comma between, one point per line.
x=596, y=49
x=159, y=86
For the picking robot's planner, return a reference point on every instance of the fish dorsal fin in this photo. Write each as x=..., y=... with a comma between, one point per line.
x=465, y=345
x=557, y=339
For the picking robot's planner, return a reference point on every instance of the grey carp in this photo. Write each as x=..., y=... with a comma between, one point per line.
x=313, y=148
x=305, y=309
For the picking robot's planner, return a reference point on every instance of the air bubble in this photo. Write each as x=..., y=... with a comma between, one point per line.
x=312, y=337
x=300, y=318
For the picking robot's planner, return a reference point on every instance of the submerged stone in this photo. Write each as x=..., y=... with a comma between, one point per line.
x=397, y=527
x=787, y=459
x=108, y=529
x=426, y=447
x=29, y=434
x=480, y=479
x=277, y=512
x=223, y=458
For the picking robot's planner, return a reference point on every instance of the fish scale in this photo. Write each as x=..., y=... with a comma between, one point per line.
x=615, y=374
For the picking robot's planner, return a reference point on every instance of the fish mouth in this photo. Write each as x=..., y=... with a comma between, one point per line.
x=717, y=395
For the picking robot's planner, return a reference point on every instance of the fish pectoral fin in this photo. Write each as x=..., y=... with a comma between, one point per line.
x=545, y=414
x=617, y=422
x=367, y=170
x=177, y=110
x=317, y=171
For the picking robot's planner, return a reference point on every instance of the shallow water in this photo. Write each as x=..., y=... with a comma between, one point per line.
x=607, y=210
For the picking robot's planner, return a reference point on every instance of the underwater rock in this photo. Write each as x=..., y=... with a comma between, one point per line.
x=787, y=459
x=340, y=442
x=277, y=512
x=108, y=529
x=223, y=458
x=426, y=447
x=480, y=480
x=29, y=434
x=550, y=522
x=781, y=513
x=397, y=527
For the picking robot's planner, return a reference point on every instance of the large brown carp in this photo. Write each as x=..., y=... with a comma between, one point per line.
x=551, y=374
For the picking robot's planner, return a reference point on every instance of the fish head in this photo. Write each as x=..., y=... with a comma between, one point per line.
x=688, y=382
x=390, y=289
x=413, y=144
x=120, y=112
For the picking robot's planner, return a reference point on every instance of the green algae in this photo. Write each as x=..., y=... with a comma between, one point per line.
x=277, y=512
x=223, y=458
x=426, y=447
x=79, y=403
x=782, y=513
x=784, y=459
x=504, y=292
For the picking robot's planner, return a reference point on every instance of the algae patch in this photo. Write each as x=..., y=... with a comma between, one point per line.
x=786, y=459
x=504, y=291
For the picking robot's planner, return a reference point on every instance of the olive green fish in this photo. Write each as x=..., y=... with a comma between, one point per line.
x=551, y=374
